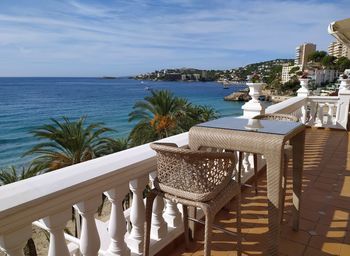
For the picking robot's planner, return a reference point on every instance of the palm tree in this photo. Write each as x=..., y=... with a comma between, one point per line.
x=162, y=114
x=157, y=115
x=67, y=143
x=115, y=145
x=196, y=114
x=10, y=175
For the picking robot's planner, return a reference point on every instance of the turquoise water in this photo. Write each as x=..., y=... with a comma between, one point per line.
x=26, y=103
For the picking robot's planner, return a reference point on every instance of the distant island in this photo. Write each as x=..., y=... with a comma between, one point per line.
x=108, y=77
x=268, y=70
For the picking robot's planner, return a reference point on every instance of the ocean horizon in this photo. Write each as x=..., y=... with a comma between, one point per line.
x=29, y=102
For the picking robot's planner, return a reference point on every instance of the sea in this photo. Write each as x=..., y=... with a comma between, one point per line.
x=27, y=103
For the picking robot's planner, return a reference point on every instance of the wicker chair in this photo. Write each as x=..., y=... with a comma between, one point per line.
x=193, y=178
x=287, y=153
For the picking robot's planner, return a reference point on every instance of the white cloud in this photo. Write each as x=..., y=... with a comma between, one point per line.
x=148, y=33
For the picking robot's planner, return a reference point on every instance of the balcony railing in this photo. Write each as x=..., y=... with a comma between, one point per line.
x=47, y=200
x=317, y=111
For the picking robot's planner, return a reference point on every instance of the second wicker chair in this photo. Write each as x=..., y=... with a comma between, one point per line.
x=193, y=178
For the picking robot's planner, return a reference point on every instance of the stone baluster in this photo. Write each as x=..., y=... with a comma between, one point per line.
x=14, y=242
x=172, y=214
x=89, y=240
x=303, y=117
x=246, y=164
x=330, y=114
x=312, y=118
x=159, y=227
x=117, y=222
x=319, y=117
x=137, y=215
x=56, y=224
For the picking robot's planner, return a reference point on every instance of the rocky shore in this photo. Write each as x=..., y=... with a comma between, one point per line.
x=244, y=96
x=238, y=96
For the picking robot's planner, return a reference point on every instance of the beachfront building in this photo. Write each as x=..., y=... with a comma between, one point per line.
x=302, y=53
x=338, y=49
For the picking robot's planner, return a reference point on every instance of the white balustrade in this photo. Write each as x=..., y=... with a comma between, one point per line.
x=55, y=225
x=89, y=240
x=137, y=215
x=44, y=197
x=319, y=111
x=159, y=227
x=117, y=222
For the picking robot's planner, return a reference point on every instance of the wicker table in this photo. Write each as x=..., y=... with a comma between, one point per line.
x=232, y=133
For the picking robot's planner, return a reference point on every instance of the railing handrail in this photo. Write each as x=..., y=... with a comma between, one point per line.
x=324, y=98
x=34, y=198
x=288, y=106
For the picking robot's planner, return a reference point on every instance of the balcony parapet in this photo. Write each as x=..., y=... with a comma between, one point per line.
x=47, y=197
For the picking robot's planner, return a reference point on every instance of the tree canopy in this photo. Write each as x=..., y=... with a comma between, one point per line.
x=162, y=114
x=317, y=56
x=66, y=142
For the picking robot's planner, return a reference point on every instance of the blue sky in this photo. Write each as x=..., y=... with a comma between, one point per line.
x=127, y=37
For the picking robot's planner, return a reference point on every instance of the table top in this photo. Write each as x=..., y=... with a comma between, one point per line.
x=252, y=125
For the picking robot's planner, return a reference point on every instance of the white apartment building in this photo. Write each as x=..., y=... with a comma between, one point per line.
x=337, y=49
x=285, y=72
x=302, y=53
x=320, y=76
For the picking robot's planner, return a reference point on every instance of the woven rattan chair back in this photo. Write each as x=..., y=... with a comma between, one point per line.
x=196, y=175
x=277, y=117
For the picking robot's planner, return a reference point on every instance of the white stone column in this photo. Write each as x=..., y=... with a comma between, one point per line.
x=246, y=163
x=14, y=242
x=303, y=113
x=312, y=113
x=330, y=114
x=159, y=227
x=56, y=224
x=172, y=214
x=319, y=117
x=304, y=89
x=89, y=240
x=253, y=107
x=137, y=215
x=117, y=222
x=343, y=104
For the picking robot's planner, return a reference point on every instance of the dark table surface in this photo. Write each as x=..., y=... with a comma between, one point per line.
x=241, y=124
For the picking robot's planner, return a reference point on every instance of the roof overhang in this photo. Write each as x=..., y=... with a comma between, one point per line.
x=341, y=31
